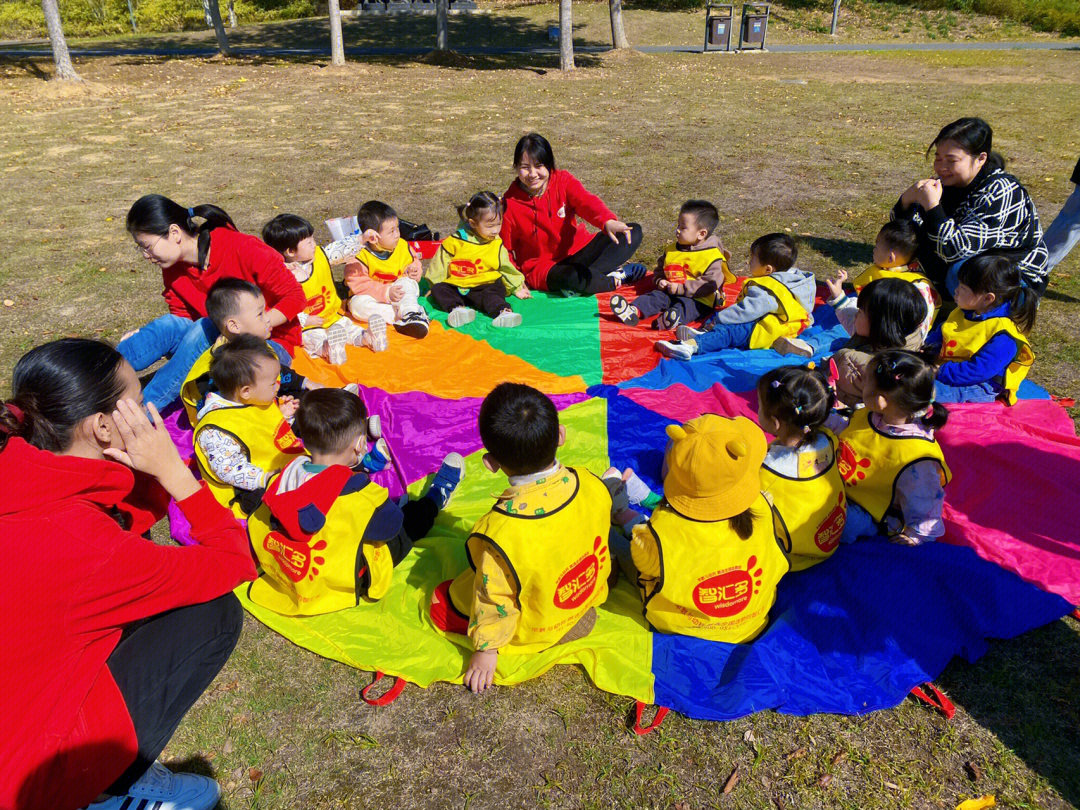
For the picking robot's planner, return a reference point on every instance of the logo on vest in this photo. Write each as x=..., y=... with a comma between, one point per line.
x=315, y=305
x=285, y=440
x=827, y=536
x=676, y=273
x=850, y=465
x=950, y=349
x=295, y=559
x=578, y=582
x=463, y=268
x=729, y=593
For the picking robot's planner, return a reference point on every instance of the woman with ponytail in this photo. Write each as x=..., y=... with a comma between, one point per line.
x=972, y=206
x=192, y=256
x=110, y=638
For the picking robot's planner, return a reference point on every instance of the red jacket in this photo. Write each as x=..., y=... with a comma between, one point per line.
x=238, y=255
x=540, y=231
x=75, y=579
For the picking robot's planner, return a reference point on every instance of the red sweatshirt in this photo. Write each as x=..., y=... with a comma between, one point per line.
x=540, y=231
x=238, y=255
x=75, y=579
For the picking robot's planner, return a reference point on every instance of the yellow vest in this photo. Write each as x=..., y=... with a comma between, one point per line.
x=713, y=584
x=680, y=265
x=308, y=544
x=190, y=394
x=961, y=339
x=472, y=264
x=322, y=297
x=810, y=511
x=267, y=438
x=789, y=318
x=873, y=273
x=391, y=268
x=559, y=560
x=870, y=462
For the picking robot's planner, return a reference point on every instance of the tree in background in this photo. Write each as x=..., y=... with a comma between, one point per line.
x=337, y=41
x=213, y=14
x=618, y=33
x=232, y=13
x=835, y=16
x=566, y=35
x=61, y=55
x=442, y=35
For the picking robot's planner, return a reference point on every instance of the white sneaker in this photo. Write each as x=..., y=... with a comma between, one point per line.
x=161, y=789
x=507, y=319
x=377, y=333
x=686, y=332
x=336, y=338
x=459, y=316
x=793, y=345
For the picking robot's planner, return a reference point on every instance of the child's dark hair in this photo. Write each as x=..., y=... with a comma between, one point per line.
x=902, y=237
x=906, y=379
x=519, y=426
x=974, y=136
x=482, y=202
x=894, y=309
x=224, y=297
x=998, y=275
x=235, y=363
x=704, y=213
x=796, y=395
x=330, y=420
x=777, y=249
x=538, y=149
x=373, y=214
x=154, y=213
x=57, y=385
x=286, y=231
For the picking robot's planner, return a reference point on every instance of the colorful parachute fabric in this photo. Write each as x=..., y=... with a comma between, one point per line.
x=850, y=635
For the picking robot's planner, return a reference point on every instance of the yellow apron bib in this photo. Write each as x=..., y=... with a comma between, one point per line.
x=873, y=273
x=322, y=297
x=559, y=560
x=713, y=584
x=870, y=462
x=308, y=544
x=268, y=441
x=472, y=264
x=392, y=267
x=788, y=320
x=961, y=339
x=680, y=265
x=191, y=392
x=810, y=511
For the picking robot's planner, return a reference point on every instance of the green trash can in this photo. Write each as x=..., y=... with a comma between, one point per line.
x=718, y=20
x=755, y=23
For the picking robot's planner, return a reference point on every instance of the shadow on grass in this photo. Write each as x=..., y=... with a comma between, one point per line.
x=1054, y=295
x=1024, y=691
x=844, y=252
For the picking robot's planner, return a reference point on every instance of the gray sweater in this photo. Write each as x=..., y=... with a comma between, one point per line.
x=758, y=302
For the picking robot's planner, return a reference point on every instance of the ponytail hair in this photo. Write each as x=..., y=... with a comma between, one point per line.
x=997, y=274
x=480, y=203
x=57, y=385
x=799, y=396
x=156, y=213
x=974, y=136
x=906, y=379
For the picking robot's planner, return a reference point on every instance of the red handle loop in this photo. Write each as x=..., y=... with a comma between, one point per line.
x=1076, y=614
x=935, y=698
x=658, y=718
x=388, y=697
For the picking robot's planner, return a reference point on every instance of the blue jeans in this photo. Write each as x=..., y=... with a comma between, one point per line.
x=180, y=339
x=726, y=336
x=858, y=524
x=1064, y=231
x=978, y=392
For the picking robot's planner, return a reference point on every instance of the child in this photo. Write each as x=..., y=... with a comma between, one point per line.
x=707, y=562
x=690, y=275
x=242, y=434
x=538, y=561
x=472, y=269
x=325, y=331
x=891, y=463
x=985, y=352
x=385, y=276
x=775, y=302
x=799, y=475
x=326, y=536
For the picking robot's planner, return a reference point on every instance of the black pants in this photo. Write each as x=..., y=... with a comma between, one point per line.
x=418, y=517
x=489, y=298
x=586, y=272
x=163, y=664
x=656, y=301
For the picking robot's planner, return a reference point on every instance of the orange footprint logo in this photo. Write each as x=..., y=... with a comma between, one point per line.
x=827, y=536
x=949, y=349
x=296, y=560
x=578, y=582
x=851, y=467
x=728, y=594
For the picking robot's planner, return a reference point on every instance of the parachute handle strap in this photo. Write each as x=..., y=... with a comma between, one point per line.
x=932, y=696
x=388, y=697
x=658, y=718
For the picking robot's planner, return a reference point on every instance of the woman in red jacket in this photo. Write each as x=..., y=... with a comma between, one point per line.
x=192, y=257
x=109, y=638
x=544, y=237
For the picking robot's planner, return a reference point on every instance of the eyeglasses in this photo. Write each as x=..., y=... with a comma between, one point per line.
x=141, y=250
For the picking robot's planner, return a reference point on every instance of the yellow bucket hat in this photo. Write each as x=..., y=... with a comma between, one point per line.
x=713, y=466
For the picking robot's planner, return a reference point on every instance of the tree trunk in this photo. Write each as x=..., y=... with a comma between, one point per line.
x=131, y=14
x=835, y=16
x=61, y=56
x=232, y=13
x=566, y=35
x=337, y=42
x=442, y=33
x=618, y=33
x=213, y=13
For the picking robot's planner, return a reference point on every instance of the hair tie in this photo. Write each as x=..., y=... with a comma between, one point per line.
x=798, y=409
x=775, y=383
x=806, y=429
x=191, y=213
x=15, y=411
x=811, y=365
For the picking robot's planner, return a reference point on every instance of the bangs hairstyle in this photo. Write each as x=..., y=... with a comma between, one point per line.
x=519, y=427
x=906, y=379
x=483, y=202
x=902, y=237
x=538, y=149
x=704, y=213
x=330, y=420
x=777, y=249
x=998, y=275
x=155, y=213
x=974, y=136
x=798, y=396
x=236, y=363
x=894, y=308
x=223, y=299
x=286, y=231
x=373, y=214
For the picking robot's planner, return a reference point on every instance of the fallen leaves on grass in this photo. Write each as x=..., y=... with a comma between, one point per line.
x=974, y=772
x=798, y=753
x=978, y=803
x=254, y=774
x=732, y=781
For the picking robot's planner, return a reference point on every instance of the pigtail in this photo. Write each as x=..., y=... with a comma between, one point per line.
x=935, y=417
x=743, y=524
x=13, y=422
x=213, y=217
x=1024, y=306
x=798, y=396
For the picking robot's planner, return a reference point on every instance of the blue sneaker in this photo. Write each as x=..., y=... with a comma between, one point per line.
x=629, y=273
x=446, y=480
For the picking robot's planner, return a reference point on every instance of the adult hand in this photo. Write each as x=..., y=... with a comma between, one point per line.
x=928, y=194
x=523, y=292
x=395, y=295
x=149, y=449
x=614, y=227
x=481, y=671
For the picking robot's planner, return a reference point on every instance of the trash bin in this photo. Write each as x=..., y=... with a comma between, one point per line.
x=718, y=19
x=755, y=22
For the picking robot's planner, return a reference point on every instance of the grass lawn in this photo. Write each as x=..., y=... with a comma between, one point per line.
x=818, y=144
